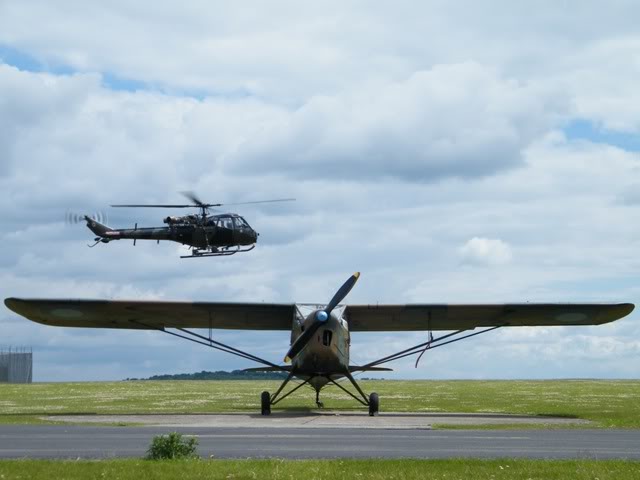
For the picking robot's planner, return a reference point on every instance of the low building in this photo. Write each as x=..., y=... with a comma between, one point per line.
x=16, y=365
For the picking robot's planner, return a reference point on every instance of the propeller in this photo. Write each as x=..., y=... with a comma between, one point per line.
x=320, y=317
x=73, y=218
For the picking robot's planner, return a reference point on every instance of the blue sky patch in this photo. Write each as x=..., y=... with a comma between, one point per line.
x=115, y=82
x=28, y=63
x=15, y=58
x=582, y=129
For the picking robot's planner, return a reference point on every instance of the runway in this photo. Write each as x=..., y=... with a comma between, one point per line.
x=80, y=441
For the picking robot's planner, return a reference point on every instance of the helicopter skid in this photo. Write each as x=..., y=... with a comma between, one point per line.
x=218, y=253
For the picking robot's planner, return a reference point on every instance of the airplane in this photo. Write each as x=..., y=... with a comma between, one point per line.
x=320, y=333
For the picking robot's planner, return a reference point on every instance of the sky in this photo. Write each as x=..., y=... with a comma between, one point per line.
x=452, y=152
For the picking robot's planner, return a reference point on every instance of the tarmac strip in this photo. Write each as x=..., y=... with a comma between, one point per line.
x=83, y=441
x=321, y=420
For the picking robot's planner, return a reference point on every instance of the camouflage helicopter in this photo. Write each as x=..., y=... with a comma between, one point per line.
x=216, y=235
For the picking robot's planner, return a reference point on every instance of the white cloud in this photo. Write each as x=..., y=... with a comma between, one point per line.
x=601, y=79
x=462, y=120
x=486, y=251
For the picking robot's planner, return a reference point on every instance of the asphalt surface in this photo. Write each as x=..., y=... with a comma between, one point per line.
x=321, y=419
x=74, y=441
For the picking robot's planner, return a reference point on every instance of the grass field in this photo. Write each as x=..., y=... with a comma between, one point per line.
x=336, y=469
x=608, y=403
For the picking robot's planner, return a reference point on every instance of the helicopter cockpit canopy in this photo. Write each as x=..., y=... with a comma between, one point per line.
x=231, y=222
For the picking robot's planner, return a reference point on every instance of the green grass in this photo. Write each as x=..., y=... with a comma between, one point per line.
x=608, y=403
x=319, y=470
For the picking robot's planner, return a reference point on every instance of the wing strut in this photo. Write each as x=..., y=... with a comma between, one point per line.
x=210, y=342
x=430, y=344
x=427, y=347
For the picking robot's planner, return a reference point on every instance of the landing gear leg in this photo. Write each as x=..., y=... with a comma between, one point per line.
x=318, y=402
x=265, y=403
x=267, y=400
x=372, y=401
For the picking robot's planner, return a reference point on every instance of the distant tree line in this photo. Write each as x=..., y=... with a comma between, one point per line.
x=219, y=375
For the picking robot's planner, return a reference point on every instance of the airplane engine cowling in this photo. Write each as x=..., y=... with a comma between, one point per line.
x=320, y=317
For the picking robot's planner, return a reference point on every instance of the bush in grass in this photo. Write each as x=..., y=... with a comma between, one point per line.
x=172, y=447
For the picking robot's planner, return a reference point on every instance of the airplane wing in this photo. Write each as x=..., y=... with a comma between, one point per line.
x=153, y=314
x=378, y=318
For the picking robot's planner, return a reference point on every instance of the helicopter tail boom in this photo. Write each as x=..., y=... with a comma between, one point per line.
x=98, y=228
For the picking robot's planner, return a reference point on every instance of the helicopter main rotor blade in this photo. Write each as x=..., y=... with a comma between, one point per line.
x=263, y=201
x=194, y=198
x=205, y=205
x=156, y=206
x=199, y=204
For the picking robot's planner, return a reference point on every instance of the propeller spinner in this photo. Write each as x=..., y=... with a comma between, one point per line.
x=320, y=317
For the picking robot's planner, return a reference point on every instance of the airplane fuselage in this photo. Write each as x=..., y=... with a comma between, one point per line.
x=327, y=353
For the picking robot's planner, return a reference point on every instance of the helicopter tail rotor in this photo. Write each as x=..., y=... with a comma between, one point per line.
x=74, y=218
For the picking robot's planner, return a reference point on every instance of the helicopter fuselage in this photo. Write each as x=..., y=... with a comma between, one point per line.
x=208, y=233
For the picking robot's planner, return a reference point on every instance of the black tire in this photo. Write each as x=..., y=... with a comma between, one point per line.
x=265, y=403
x=374, y=404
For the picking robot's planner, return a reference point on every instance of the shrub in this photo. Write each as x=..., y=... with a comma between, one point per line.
x=172, y=447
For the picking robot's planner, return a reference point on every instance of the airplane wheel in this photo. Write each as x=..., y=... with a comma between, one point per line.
x=374, y=404
x=265, y=403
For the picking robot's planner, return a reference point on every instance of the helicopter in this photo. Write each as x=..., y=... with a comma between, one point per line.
x=208, y=235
